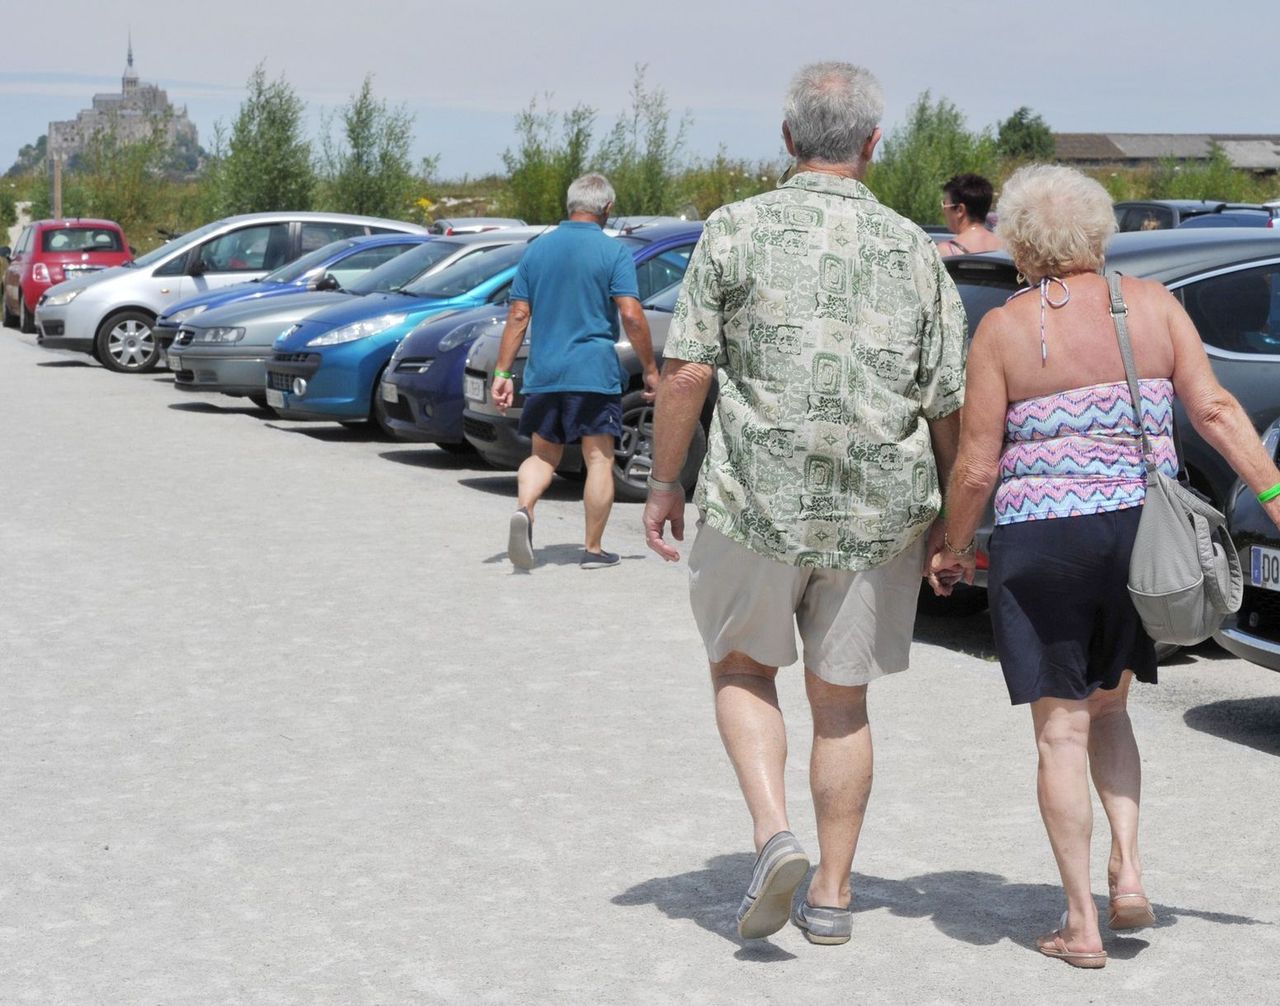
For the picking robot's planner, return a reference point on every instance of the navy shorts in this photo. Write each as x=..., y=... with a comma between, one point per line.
x=1060, y=607
x=565, y=417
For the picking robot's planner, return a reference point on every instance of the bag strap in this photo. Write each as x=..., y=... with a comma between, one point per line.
x=1119, y=317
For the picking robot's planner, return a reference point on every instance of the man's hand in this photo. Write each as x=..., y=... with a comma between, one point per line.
x=663, y=506
x=651, y=379
x=504, y=392
x=947, y=569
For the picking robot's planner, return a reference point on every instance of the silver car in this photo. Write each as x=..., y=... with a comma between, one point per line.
x=226, y=349
x=110, y=314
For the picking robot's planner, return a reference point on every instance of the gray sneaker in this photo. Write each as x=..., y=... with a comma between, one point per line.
x=823, y=925
x=520, y=540
x=598, y=560
x=780, y=867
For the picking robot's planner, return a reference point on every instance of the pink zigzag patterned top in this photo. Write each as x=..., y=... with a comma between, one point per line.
x=1078, y=452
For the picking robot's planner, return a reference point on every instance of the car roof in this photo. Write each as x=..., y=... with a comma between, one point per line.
x=76, y=222
x=1165, y=256
x=305, y=215
x=1177, y=204
x=504, y=235
x=660, y=231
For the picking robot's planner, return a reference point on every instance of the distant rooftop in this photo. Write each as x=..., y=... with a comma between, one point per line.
x=1248, y=151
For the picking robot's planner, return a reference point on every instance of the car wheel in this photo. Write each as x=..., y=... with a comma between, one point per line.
x=26, y=323
x=10, y=319
x=126, y=343
x=633, y=455
x=378, y=417
x=963, y=601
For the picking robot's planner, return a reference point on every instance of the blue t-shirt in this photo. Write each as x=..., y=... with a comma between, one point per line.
x=569, y=278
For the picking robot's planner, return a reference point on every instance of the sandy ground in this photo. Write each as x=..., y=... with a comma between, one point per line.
x=280, y=725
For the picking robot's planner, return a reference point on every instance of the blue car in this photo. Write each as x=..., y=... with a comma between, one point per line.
x=327, y=366
x=421, y=392
x=331, y=267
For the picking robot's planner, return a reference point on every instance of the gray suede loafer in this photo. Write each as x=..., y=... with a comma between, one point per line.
x=780, y=867
x=823, y=925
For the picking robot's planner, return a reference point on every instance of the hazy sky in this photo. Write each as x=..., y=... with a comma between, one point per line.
x=465, y=69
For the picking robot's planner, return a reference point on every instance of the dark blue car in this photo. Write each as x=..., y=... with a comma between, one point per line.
x=331, y=267
x=421, y=392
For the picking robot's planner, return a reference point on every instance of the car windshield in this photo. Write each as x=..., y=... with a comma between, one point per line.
x=980, y=296
x=181, y=243
x=81, y=239
x=312, y=260
x=404, y=268
x=665, y=300
x=469, y=273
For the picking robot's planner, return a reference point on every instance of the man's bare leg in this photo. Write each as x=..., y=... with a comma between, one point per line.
x=755, y=739
x=537, y=471
x=840, y=770
x=597, y=494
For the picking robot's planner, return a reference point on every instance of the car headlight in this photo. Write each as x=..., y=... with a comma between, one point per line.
x=219, y=334
x=178, y=317
x=358, y=330
x=467, y=333
x=60, y=299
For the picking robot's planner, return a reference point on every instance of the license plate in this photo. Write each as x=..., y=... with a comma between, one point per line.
x=275, y=398
x=473, y=388
x=389, y=393
x=1264, y=567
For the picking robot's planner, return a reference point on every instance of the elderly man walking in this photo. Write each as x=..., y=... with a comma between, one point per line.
x=839, y=342
x=569, y=290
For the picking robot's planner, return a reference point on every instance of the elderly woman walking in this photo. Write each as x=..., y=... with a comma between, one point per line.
x=1049, y=417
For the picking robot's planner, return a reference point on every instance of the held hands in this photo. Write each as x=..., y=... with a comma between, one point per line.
x=504, y=391
x=663, y=506
x=943, y=567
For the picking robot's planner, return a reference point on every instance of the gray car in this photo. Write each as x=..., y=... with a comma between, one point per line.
x=226, y=350
x=110, y=314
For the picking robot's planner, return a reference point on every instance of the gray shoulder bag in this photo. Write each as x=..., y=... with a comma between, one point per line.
x=1184, y=575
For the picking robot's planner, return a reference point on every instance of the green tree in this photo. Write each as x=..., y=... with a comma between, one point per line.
x=544, y=164
x=918, y=156
x=370, y=170
x=267, y=164
x=1214, y=178
x=1025, y=136
x=640, y=155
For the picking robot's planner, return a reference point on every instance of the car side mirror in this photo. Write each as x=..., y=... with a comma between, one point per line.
x=198, y=266
x=328, y=282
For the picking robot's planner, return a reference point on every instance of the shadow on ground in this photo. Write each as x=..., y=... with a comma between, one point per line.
x=430, y=456
x=554, y=555
x=1208, y=650
x=1252, y=722
x=209, y=409
x=66, y=363
x=972, y=907
x=335, y=433
x=505, y=485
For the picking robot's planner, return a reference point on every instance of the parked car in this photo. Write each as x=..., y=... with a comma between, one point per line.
x=422, y=388
x=52, y=251
x=1232, y=218
x=111, y=314
x=226, y=349
x=473, y=225
x=496, y=437
x=1229, y=282
x=1163, y=214
x=331, y=267
x=1254, y=631
x=329, y=365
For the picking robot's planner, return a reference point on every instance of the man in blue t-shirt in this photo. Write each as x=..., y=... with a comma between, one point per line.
x=574, y=282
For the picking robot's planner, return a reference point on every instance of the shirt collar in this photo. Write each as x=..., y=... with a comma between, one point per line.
x=833, y=185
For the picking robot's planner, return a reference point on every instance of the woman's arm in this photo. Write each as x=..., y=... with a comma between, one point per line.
x=1214, y=411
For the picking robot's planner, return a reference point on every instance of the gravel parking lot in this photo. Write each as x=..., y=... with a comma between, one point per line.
x=280, y=725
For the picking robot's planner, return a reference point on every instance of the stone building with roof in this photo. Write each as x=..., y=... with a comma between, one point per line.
x=132, y=114
x=1256, y=152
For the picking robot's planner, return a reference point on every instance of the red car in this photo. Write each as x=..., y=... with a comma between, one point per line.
x=50, y=251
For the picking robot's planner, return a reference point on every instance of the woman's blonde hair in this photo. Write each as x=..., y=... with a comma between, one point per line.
x=1054, y=221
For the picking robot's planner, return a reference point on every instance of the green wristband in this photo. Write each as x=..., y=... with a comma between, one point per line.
x=1267, y=495
x=504, y=373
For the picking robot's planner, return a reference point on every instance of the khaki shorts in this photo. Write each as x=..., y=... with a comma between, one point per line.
x=855, y=626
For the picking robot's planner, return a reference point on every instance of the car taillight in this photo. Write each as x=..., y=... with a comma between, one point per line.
x=448, y=231
x=40, y=273
x=980, y=560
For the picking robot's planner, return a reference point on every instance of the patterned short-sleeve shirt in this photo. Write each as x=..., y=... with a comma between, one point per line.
x=837, y=334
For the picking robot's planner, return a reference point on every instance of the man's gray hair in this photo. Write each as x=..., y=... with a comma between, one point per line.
x=591, y=193
x=832, y=110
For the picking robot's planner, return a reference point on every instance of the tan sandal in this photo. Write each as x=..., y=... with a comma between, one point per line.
x=1055, y=946
x=1130, y=911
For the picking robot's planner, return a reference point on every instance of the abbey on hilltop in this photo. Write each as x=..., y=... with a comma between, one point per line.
x=132, y=114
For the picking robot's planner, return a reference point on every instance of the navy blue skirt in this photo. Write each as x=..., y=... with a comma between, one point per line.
x=1060, y=607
